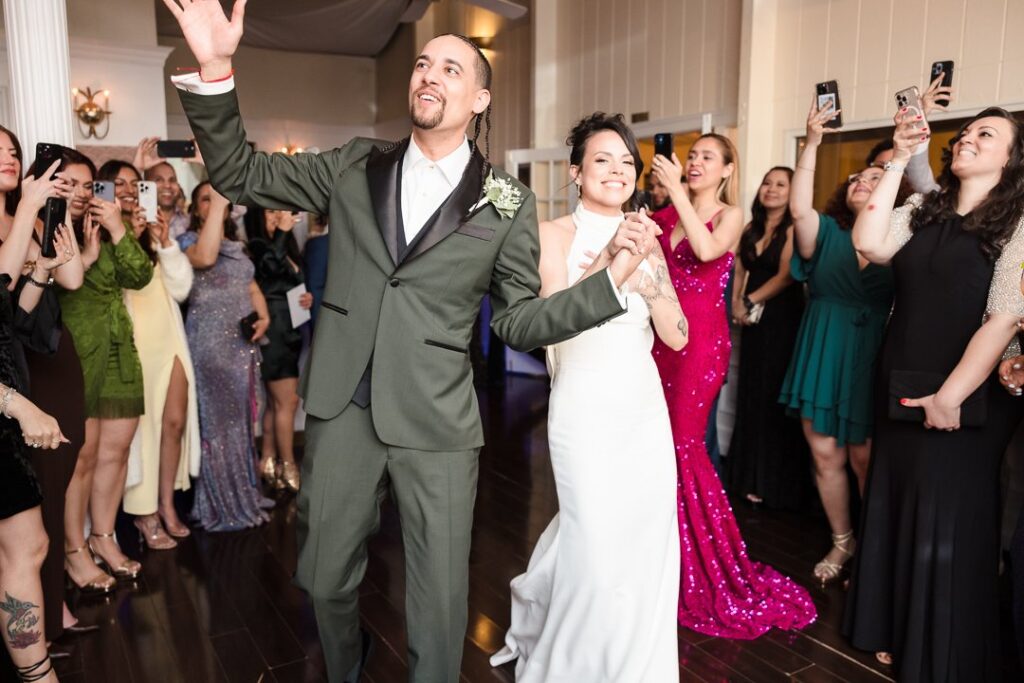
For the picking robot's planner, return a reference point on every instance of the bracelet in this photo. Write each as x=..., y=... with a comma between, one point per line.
x=41, y=285
x=893, y=166
x=5, y=400
x=748, y=303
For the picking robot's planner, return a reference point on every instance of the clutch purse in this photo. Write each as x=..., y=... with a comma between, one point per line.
x=754, y=314
x=916, y=384
x=248, y=326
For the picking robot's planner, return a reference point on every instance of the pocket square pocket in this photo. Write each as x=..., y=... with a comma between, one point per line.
x=477, y=231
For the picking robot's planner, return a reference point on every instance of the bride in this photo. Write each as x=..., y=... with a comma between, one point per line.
x=597, y=602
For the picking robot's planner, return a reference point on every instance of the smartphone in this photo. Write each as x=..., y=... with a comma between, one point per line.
x=663, y=144
x=104, y=189
x=54, y=212
x=147, y=199
x=911, y=99
x=946, y=69
x=184, y=149
x=828, y=91
x=46, y=154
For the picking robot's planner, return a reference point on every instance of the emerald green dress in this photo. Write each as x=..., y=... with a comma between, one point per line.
x=98, y=321
x=830, y=379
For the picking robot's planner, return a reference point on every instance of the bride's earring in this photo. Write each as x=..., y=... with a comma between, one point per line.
x=579, y=190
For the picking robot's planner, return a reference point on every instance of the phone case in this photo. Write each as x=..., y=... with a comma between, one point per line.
x=663, y=144
x=46, y=154
x=946, y=69
x=54, y=212
x=910, y=98
x=828, y=91
x=175, y=148
x=147, y=199
x=104, y=189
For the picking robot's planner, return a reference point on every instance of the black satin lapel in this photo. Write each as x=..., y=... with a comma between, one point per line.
x=383, y=176
x=452, y=213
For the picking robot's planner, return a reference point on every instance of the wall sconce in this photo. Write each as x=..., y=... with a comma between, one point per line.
x=291, y=150
x=90, y=113
x=483, y=42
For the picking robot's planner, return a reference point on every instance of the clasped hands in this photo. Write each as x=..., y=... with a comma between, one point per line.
x=635, y=237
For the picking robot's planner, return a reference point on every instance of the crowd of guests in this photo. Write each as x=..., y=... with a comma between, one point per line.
x=132, y=364
x=139, y=359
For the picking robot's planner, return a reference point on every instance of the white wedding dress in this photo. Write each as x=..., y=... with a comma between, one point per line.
x=598, y=601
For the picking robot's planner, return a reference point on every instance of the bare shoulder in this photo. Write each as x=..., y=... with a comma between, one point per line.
x=730, y=214
x=558, y=232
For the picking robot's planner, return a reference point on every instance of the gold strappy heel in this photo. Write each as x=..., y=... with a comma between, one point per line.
x=827, y=571
x=101, y=584
x=129, y=569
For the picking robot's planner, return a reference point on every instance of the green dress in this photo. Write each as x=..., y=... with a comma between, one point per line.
x=98, y=321
x=830, y=379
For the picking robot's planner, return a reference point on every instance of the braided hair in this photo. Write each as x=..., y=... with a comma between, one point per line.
x=484, y=74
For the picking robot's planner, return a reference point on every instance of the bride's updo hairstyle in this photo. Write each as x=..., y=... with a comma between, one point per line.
x=595, y=123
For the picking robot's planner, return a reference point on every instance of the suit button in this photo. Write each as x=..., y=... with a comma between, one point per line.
x=394, y=282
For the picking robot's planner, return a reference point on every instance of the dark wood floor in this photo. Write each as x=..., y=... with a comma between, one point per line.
x=221, y=607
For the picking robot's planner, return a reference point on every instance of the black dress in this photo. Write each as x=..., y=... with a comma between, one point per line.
x=58, y=389
x=276, y=274
x=768, y=455
x=19, y=489
x=924, y=581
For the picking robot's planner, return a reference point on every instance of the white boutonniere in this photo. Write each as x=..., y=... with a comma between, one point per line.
x=501, y=194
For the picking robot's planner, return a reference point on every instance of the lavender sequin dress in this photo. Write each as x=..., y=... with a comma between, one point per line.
x=228, y=495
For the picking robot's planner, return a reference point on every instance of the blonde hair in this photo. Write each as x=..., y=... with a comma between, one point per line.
x=729, y=188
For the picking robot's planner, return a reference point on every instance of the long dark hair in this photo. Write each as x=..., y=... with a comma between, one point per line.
x=109, y=171
x=256, y=229
x=759, y=219
x=13, y=198
x=196, y=223
x=844, y=215
x=995, y=219
x=589, y=126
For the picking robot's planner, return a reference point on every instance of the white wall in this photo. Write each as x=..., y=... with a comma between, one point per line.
x=288, y=98
x=876, y=47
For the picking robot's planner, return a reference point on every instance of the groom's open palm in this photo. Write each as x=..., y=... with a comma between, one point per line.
x=212, y=38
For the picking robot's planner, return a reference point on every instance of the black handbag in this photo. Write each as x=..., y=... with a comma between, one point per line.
x=918, y=384
x=248, y=326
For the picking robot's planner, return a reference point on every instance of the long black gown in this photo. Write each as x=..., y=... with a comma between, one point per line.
x=768, y=455
x=924, y=581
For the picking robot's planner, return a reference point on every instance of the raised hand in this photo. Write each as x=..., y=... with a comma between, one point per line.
x=911, y=131
x=212, y=38
x=36, y=191
x=669, y=172
x=107, y=214
x=159, y=232
x=90, y=241
x=145, y=154
x=634, y=234
x=816, y=120
x=936, y=91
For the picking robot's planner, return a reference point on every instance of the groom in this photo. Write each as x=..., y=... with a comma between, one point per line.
x=421, y=230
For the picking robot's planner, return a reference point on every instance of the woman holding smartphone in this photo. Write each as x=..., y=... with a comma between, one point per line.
x=829, y=381
x=102, y=330
x=723, y=593
x=228, y=495
x=165, y=448
x=925, y=583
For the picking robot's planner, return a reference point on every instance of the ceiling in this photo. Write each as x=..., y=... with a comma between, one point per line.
x=360, y=28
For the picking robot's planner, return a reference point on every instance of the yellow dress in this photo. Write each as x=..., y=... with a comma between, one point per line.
x=160, y=338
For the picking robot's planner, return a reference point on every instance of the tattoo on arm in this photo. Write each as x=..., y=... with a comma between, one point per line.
x=684, y=326
x=656, y=287
x=20, y=625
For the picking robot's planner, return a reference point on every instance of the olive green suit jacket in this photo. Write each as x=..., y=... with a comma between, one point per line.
x=410, y=314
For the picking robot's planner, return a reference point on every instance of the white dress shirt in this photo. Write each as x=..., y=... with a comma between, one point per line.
x=426, y=184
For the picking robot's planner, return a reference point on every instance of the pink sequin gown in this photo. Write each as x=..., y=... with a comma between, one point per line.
x=722, y=592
